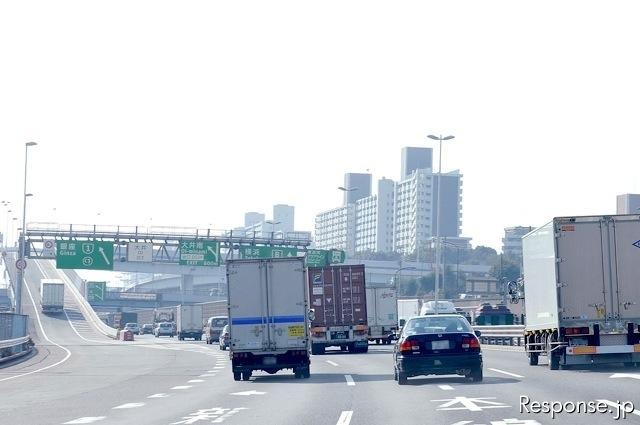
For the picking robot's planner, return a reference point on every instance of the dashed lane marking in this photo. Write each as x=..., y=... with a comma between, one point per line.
x=85, y=420
x=129, y=406
x=345, y=417
x=349, y=379
x=159, y=395
x=332, y=363
x=445, y=387
x=207, y=375
x=193, y=381
x=515, y=375
x=182, y=387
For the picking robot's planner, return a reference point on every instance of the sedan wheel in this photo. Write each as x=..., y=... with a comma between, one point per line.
x=402, y=378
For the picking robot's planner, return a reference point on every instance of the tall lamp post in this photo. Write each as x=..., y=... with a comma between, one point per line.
x=272, y=223
x=397, y=273
x=437, y=282
x=22, y=242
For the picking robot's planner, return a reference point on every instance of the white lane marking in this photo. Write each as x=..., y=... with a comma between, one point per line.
x=251, y=392
x=463, y=423
x=619, y=406
x=85, y=420
x=349, y=380
x=506, y=373
x=182, y=387
x=445, y=387
x=345, y=417
x=193, y=381
x=129, y=406
x=626, y=375
x=332, y=363
x=219, y=367
x=44, y=334
x=472, y=404
x=159, y=395
x=207, y=375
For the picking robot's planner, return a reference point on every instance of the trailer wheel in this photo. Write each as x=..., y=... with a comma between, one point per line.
x=533, y=359
x=246, y=375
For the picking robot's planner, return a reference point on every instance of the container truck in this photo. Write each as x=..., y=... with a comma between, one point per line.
x=189, y=323
x=268, y=316
x=339, y=308
x=382, y=314
x=581, y=291
x=52, y=295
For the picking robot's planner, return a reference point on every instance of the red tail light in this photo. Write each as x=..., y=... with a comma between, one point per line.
x=470, y=342
x=408, y=346
x=577, y=331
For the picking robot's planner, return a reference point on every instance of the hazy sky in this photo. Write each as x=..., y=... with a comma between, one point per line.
x=191, y=113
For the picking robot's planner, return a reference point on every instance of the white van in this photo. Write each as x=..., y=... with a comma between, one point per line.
x=444, y=307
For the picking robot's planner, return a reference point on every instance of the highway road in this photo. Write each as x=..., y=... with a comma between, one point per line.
x=79, y=376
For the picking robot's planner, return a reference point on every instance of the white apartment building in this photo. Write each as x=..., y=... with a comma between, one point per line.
x=335, y=229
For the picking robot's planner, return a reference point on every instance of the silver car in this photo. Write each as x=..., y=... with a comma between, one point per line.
x=164, y=329
x=133, y=327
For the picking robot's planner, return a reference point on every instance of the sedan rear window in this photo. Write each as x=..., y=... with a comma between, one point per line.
x=436, y=324
x=165, y=325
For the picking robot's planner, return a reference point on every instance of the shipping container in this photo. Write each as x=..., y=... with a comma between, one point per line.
x=339, y=305
x=52, y=295
x=382, y=314
x=268, y=316
x=581, y=291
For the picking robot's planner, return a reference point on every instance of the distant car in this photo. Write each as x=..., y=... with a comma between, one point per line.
x=133, y=327
x=442, y=344
x=164, y=329
x=147, y=328
x=223, y=340
x=213, y=328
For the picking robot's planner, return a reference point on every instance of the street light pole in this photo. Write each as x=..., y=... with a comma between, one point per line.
x=22, y=242
x=272, y=223
x=437, y=280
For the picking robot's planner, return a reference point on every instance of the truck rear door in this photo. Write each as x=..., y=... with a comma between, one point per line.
x=582, y=269
x=287, y=304
x=247, y=305
x=626, y=266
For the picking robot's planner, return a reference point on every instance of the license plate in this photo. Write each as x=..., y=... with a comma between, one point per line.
x=440, y=345
x=338, y=335
x=269, y=361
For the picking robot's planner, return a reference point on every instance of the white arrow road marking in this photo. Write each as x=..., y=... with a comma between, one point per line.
x=85, y=420
x=332, y=363
x=128, y=406
x=106, y=260
x=506, y=373
x=159, y=395
x=349, y=380
x=193, y=381
x=252, y=392
x=620, y=407
x=445, y=387
x=470, y=404
x=626, y=375
x=181, y=387
x=345, y=417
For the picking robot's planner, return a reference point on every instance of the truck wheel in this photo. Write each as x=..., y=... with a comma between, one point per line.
x=533, y=359
x=237, y=376
x=246, y=375
x=363, y=349
x=306, y=373
x=317, y=349
x=554, y=361
x=402, y=378
x=343, y=348
x=297, y=372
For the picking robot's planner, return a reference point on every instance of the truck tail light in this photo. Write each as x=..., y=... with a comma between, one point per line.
x=471, y=343
x=583, y=330
x=319, y=334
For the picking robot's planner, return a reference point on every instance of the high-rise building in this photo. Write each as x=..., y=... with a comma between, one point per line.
x=628, y=203
x=335, y=229
x=358, y=185
x=283, y=215
x=415, y=159
x=451, y=204
x=512, y=241
x=251, y=218
x=374, y=219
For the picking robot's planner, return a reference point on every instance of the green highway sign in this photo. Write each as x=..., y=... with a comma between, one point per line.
x=96, y=291
x=199, y=253
x=92, y=255
x=255, y=252
x=322, y=257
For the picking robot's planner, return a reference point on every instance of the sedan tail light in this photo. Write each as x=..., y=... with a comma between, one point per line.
x=471, y=342
x=408, y=346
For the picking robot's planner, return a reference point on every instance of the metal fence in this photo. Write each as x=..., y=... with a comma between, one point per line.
x=14, y=341
x=501, y=335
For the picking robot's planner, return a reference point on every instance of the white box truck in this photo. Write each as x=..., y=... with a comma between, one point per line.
x=268, y=316
x=189, y=324
x=382, y=314
x=51, y=295
x=581, y=291
x=408, y=308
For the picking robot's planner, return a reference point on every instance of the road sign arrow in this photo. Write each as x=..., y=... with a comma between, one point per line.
x=252, y=392
x=636, y=244
x=626, y=375
x=106, y=260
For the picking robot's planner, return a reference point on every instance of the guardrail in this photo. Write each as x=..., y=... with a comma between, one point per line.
x=501, y=334
x=87, y=311
x=14, y=348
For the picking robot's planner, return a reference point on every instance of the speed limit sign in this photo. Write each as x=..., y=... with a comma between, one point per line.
x=21, y=264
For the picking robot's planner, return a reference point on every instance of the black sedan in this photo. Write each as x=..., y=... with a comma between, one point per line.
x=442, y=344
